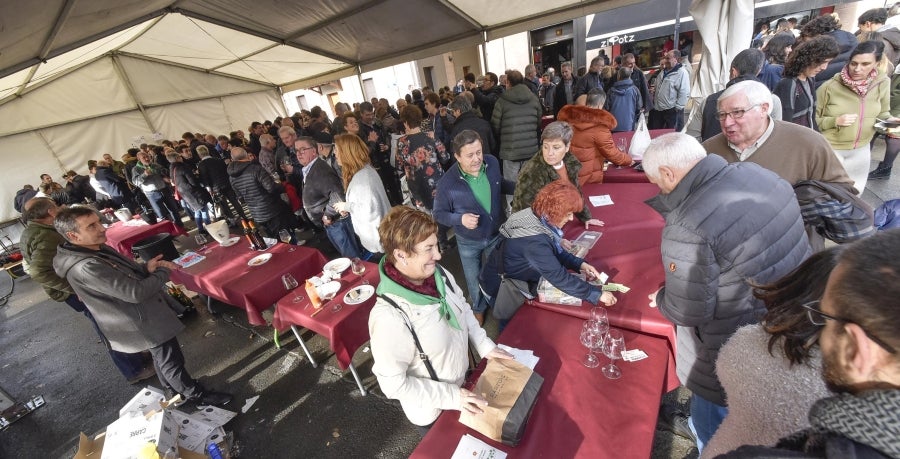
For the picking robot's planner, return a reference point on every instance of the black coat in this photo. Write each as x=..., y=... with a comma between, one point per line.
x=846, y=42
x=22, y=196
x=188, y=186
x=640, y=82
x=321, y=190
x=470, y=120
x=258, y=190
x=214, y=174
x=485, y=99
x=559, y=99
x=114, y=185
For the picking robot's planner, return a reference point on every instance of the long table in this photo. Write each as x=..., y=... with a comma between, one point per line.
x=346, y=329
x=578, y=413
x=123, y=236
x=616, y=174
x=225, y=275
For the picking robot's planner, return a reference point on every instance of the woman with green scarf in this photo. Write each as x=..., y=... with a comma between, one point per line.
x=418, y=298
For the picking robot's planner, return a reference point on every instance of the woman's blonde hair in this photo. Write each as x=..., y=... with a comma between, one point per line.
x=353, y=155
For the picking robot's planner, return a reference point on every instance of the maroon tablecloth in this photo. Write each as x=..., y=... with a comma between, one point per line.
x=346, y=330
x=225, y=275
x=624, y=174
x=123, y=237
x=579, y=413
x=629, y=253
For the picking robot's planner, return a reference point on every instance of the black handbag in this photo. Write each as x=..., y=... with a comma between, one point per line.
x=512, y=292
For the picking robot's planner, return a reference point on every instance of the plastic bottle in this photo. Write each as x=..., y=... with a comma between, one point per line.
x=214, y=452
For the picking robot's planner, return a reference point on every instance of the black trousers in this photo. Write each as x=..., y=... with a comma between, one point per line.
x=169, y=363
x=672, y=118
x=223, y=197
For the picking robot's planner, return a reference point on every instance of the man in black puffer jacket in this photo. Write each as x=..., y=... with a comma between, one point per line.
x=261, y=193
x=728, y=226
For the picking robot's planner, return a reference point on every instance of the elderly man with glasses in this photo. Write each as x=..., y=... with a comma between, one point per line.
x=860, y=364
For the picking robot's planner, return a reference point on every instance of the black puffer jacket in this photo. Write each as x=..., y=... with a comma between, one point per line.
x=517, y=120
x=258, y=190
x=471, y=121
x=727, y=226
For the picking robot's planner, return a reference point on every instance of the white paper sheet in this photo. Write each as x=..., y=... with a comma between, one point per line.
x=523, y=356
x=602, y=200
x=472, y=448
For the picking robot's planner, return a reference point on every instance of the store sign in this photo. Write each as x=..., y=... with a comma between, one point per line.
x=617, y=40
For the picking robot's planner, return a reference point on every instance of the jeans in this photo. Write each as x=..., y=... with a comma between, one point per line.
x=672, y=118
x=343, y=238
x=201, y=216
x=705, y=419
x=470, y=252
x=130, y=365
x=163, y=200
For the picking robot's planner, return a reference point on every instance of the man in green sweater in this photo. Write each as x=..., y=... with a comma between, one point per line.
x=39, y=243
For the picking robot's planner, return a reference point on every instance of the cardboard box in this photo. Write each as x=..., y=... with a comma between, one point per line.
x=92, y=448
x=126, y=436
x=147, y=400
x=192, y=432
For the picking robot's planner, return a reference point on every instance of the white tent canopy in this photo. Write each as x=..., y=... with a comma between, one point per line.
x=79, y=78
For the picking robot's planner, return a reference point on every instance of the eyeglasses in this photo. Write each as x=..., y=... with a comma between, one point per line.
x=817, y=317
x=307, y=148
x=735, y=114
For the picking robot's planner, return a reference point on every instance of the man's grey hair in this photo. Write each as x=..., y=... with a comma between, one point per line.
x=558, y=130
x=749, y=61
x=238, y=153
x=286, y=129
x=676, y=150
x=67, y=219
x=595, y=98
x=595, y=60
x=565, y=64
x=309, y=140
x=266, y=138
x=462, y=104
x=756, y=93
x=530, y=70
x=202, y=151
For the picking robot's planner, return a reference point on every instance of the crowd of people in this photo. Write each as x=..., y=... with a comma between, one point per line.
x=747, y=275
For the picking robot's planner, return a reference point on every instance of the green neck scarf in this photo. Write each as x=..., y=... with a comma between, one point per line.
x=388, y=285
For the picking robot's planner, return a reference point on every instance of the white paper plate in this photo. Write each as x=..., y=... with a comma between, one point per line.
x=230, y=241
x=259, y=259
x=338, y=265
x=328, y=289
x=365, y=292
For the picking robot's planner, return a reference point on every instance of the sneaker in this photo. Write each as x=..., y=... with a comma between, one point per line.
x=146, y=373
x=212, y=398
x=880, y=173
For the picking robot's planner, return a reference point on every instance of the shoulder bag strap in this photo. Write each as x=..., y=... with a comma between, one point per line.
x=422, y=354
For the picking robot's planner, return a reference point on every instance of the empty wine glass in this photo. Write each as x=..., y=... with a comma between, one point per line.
x=289, y=284
x=201, y=240
x=590, y=340
x=613, y=346
x=285, y=237
x=337, y=304
x=622, y=143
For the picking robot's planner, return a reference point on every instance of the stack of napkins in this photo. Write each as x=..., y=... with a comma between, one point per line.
x=525, y=357
x=472, y=448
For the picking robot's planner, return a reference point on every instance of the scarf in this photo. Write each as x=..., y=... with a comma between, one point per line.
x=869, y=418
x=393, y=282
x=860, y=87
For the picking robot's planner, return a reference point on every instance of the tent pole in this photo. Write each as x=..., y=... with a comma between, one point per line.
x=128, y=86
x=40, y=135
x=362, y=88
x=677, y=23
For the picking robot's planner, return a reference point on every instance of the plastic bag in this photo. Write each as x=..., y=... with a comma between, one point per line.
x=641, y=139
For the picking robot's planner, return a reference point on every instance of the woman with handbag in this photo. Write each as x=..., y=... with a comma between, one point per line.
x=530, y=248
x=367, y=202
x=421, y=325
x=191, y=194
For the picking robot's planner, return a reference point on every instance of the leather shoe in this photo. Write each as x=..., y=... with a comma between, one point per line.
x=212, y=398
x=676, y=422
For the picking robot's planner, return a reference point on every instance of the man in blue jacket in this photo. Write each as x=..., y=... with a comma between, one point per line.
x=469, y=200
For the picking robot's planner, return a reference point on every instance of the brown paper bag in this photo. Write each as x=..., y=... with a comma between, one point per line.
x=510, y=389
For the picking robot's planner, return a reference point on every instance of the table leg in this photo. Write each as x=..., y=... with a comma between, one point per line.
x=303, y=345
x=362, y=390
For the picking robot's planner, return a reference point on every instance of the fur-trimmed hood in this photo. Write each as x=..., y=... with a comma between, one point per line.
x=586, y=117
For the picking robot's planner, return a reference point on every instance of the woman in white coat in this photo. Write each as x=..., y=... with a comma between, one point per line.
x=367, y=201
x=419, y=298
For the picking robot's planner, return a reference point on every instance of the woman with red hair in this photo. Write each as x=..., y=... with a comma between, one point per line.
x=529, y=249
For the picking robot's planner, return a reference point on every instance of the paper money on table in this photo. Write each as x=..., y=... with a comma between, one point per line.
x=613, y=287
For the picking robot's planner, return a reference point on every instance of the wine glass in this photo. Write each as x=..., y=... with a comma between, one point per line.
x=589, y=338
x=289, y=284
x=330, y=296
x=622, y=143
x=201, y=241
x=613, y=346
x=285, y=237
x=358, y=268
